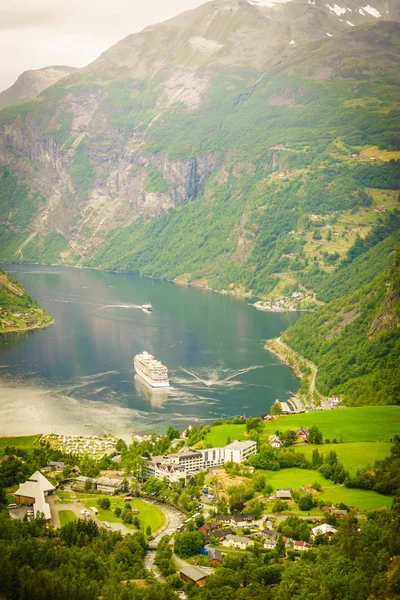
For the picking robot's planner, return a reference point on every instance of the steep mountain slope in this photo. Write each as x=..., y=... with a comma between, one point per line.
x=30, y=83
x=355, y=340
x=18, y=311
x=215, y=147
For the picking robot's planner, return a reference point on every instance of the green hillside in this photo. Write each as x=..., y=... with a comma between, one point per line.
x=355, y=341
x=18, y=311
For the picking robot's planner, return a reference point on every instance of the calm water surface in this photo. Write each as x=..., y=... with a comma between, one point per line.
x=77, y=375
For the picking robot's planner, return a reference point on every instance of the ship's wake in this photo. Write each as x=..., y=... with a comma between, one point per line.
x=216, y=377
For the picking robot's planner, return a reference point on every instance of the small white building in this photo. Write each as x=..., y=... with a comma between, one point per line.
x=324, y=529
x=301, y=546
x=237, y=541
x=274, y=441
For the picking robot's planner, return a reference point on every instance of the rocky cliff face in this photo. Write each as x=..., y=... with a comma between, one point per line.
x=102, y=145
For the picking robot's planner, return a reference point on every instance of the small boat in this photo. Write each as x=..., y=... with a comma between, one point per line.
x=147, y=306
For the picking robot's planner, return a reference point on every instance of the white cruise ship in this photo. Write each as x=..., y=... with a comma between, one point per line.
x=151, y=370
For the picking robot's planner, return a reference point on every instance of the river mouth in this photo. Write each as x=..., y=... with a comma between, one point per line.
x=77, y=375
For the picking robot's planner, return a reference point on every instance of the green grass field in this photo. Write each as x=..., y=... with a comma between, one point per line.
x=331, y=493
x=27, y=443
x=148, y=514
x=363, y=424
x=353, y=455
x=66, y=516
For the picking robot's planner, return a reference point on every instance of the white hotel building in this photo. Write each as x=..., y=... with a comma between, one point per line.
x=187, y=462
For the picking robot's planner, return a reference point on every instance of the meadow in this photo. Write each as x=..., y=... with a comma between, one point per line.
x=331, y=493
x=27, y=443
x=361, y=424
x=353, y=455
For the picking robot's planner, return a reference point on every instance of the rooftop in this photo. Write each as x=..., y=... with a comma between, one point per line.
x=194, y=573
x=240, y=445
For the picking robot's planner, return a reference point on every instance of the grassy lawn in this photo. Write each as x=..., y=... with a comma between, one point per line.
x=354, y=455
x=219, y=435
x=148, y=514
x=66, y=516
x=10, y=499
x=363, y=424
x=331, y=493
x=27, y=443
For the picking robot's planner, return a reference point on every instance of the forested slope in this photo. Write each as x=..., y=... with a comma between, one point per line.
x=355, y=340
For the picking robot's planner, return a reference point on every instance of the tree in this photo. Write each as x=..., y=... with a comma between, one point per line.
x=288, y=437
x=104, y=503
x=276, y=409
x=148, y=530
x=259, y=482
x=254, y=424
x=88, y=484
x=314, y=435
x=121, y=446
x=172, y=433
x=306, y=502
x=117, y=511
x=189, y=543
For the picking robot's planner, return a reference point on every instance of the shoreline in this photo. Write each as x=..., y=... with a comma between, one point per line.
x=33, y=328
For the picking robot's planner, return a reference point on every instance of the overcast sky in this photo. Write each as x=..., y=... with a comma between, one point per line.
x=39, y=33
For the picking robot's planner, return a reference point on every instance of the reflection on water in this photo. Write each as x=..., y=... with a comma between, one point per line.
x=156, y=396
x=82, y=365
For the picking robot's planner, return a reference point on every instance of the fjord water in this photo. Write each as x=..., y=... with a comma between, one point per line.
x=77, y=375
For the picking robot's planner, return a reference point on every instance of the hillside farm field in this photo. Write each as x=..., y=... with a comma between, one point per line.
x=361, y=424
x=331, y=493
x=27, y=443
x=353, y=455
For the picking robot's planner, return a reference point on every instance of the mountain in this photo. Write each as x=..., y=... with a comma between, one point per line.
x=234, y=100
x=245, y=146
x=18, y=311
x=30, y=83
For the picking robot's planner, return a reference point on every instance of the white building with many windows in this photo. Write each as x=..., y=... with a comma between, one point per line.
x=185, y=463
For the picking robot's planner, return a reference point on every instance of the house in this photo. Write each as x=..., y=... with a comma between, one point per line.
x=108, y=485
x=223, y=519
x=337, y=512
x=209, y=527
x=81, y=480
x=301, y=546
x=274, y=441
x=324, y=529
x=56, y=466
x=219, y=534
x=270, y=538
x=303, y=433
x=267, y=418
x=35, y=491
x=237, y=541
x=214, y=556
x=284, y=494
x=193, y=574
x=289, y=543
x=242, y=520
